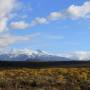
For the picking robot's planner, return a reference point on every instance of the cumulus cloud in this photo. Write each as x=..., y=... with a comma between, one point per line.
x=72, y=12
x=82, y=11
x=39, y=20
x=19, y=25
x=8, y=39
x=55, y=16
x=25, y=25
x=6, y=7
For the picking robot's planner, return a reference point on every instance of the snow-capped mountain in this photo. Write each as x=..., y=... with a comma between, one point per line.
x=38, y=55
x=29, y=55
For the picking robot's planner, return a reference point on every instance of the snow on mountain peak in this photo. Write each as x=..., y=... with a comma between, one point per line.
x=28, y=54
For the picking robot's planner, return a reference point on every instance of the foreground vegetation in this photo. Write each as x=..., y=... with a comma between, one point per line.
x=45, y=79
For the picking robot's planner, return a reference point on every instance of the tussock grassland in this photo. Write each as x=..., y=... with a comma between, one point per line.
x=45, y=79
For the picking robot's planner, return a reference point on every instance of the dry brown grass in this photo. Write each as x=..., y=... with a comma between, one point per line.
x=45, y=79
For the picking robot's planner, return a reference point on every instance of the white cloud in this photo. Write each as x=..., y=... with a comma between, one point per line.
x=19, y=25
x=25, y=25
x=8, y=39
x=3, y=24
x=55, y=16
x=6, y=7
x=72, y=12
x=39, y=20
x=82, y=11
x=77, y=55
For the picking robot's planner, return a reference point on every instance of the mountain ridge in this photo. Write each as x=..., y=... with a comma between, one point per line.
x=27, y=55
x=39, y=55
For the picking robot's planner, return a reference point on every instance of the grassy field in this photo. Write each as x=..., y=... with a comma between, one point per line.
x=45, y=79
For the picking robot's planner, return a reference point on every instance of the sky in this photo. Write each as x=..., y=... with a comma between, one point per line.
x=49, y=25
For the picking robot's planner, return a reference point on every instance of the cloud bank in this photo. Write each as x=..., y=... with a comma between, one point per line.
x=72, y=12
x=77, y=55
x=8, y=39
x=82, y=11
x=6, y=8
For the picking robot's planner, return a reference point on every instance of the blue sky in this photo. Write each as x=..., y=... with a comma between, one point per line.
x=50, y=25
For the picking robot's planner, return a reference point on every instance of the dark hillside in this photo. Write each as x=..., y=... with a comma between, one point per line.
x=44, y=64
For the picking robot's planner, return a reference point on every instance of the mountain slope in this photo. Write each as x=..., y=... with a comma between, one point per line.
x=38, y=55
x=29, y=55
